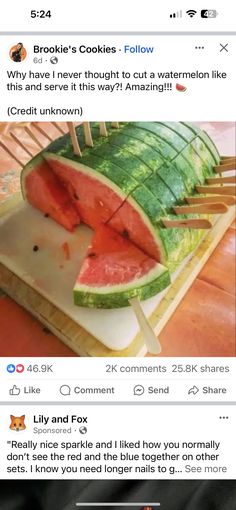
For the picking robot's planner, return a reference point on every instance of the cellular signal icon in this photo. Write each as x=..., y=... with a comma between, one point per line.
x=177, y=14
x=191, y=13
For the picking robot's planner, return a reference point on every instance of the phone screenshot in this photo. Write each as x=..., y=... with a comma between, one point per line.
x=117, y=256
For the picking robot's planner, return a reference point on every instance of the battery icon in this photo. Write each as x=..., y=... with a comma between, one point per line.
x=209, y=13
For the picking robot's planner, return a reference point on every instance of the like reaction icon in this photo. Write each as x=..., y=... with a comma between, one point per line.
x=14, y=391
x=11, y=368
x=19, y=368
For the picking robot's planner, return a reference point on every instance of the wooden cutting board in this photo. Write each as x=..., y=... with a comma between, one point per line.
x=41, y=281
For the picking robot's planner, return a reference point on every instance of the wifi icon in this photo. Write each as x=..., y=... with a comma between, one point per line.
x=191, y=13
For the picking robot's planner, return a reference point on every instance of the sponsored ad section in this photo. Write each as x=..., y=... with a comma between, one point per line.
x=117, y=441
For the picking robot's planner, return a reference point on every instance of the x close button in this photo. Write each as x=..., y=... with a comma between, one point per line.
x=224, y=47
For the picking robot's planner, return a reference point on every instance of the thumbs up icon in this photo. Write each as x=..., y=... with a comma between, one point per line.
x=14, y=391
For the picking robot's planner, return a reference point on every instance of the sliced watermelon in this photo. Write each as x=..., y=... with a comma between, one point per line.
x=140, y=132
x=115, y=270
x=132, y=179
x=165, y=133
x=121, y=155
x=98, y=187
x=139, y=218
x=44, y=191
x=206, y=140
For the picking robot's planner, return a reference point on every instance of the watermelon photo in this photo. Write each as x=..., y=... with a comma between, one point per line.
x=122, y=188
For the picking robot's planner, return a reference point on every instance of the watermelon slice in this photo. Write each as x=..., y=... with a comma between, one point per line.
x=115, y=270
x=45, y=192
x=180, y=88
x=95, y=197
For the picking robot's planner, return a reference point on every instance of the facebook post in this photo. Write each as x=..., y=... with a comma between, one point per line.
x=117, y=256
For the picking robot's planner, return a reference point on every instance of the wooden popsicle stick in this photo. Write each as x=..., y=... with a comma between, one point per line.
x=228, y=160
x=33, y=137
x=74, y=138
x=188, y=223
x=21, y=145
x=223, y=158
x=230, y=179
x=10, y=153
x=216, y=208
x=58, y=127
x=217, y=190
x=150, y=339
x=226, y=199
x=42, y=131
x=103, y=129
x=225, y=167
x=87, y=134
x=115, y=125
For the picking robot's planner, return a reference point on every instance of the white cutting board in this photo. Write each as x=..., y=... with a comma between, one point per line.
x=48, y=272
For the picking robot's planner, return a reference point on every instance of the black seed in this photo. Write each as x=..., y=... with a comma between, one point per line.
x=76, y=197
x=92, y=255
x=125, y=234
x=46, y=330
x=35, y=248
x=46, y=215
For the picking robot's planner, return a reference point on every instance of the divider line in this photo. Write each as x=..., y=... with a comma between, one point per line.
x=118, y=504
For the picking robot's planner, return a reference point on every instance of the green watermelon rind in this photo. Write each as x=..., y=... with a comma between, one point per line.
x=122, y=157
x=157, y=164
x=111, y=171
x=160, y=146
x=179, y=129
x=118, y=296
x=199, y=143
x=161, y=191
x=139, y=149
x=210, y=145
x=160, y=130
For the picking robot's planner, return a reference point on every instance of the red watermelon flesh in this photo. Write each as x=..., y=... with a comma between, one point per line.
x=113, y=259
x=115, y=270
x=45, y=192
x=94, y=200
x=129, y=222
x=99, y=204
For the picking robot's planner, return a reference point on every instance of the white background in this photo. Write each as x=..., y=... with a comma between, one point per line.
x=122, y=15
x=203, y=100
x=175, y=373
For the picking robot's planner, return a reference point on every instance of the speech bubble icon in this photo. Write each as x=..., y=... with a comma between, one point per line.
x=138, y=390
x=65, y=390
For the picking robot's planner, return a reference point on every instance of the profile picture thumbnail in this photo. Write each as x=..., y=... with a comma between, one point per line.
x=17, y=423
x=18, y=52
